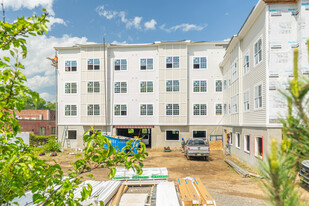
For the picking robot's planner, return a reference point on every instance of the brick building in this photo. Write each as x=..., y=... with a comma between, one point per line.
x=39, y=122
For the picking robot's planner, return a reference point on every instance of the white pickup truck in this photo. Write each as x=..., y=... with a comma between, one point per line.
x=196, y=147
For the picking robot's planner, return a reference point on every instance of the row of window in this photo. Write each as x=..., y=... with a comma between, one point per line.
x=145, y=86
x=172, y=62
x=246, y=64
x=246, y=143
x=145, y=110
x=258, y=101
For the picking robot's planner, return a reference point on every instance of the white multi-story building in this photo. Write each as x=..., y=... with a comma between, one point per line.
x=166, y=91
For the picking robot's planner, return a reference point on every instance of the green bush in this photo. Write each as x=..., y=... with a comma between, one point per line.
x=53, y=145
x=36, y=141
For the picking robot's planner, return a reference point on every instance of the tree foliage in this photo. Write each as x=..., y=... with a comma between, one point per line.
x=37, y=102
x=21, y=170
x=281, y=167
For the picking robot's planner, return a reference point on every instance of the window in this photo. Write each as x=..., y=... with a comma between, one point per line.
x=259, y=147
x=120, y=110
x=172, y=135
x=247, y=143
x=234, y=104
x=172, y=85
x=146, y=86
x=246, y=63
x=225, y=109
x=199, y=63
x=199, y=109
x=120, y=87
x=93, y=64
x=258, y=52
x=199, y=134
x=147, y=64
x=72, y=134
x=53, y=130
x=200, y=86
x=218, y=109
x=218, y=85
x=172, y=62
x=93, y=87
x=70, y=88
x=229, y=108
x=70, y=110
x=120, y=64
x=231, y=138
x=42, y=131
x=246, y=101
x=146, y=109
x=224, y=84
x=237, y=140
x=172, y=109
x=93, y=109
x=234, y=71
x=70, y=66
x=258, y=96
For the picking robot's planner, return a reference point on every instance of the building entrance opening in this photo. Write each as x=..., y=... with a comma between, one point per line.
x=145, y=134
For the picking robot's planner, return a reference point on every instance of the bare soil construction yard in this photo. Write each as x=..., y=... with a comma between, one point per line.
x=222, y=182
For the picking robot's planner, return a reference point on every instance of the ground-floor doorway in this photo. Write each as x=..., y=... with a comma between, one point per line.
x=143, y=133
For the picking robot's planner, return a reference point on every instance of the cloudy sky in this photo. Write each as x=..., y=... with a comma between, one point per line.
x=121, y=21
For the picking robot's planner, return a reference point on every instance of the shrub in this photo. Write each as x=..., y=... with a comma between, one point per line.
x=36, y=141
x=53, y=145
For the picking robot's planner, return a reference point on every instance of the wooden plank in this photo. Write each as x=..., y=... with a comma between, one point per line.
x=196, y=198
x=215, y=145
x=118, y=195
x=207, y=198
x=185, y=196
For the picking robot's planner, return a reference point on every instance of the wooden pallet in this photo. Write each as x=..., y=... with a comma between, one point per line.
x=193, y=193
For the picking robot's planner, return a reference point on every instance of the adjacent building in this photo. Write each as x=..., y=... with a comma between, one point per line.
x=166, y=91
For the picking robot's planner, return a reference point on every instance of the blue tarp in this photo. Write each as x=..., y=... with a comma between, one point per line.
x=119, y=144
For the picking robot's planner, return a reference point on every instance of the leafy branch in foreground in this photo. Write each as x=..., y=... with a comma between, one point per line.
x=281, y=167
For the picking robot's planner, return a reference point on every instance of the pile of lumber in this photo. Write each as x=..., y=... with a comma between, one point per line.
x=193, y=192
x=238, y=169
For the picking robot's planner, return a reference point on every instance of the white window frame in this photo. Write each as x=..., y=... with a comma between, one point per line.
x=216, y=86
x=120, y=68
x=258, y=107
x=93, y=110
x=120, y=87
x=120, y=110
x=172, y=109
x=70, y=110
x=172, y=131
x=70, y=93
x=234, y=70
x=146, y=84
x=173, y=63
x=70, y=60
x=199, y=62
x=216, y=109
x=199, y=110
x=200, y=85
x=246, y=102
x=93, y=64
x=246, y=67
x=93, y=89
x=245, y=144
x=261, y=50
x=256, y=146
x=199, y=130
x=237, y=141
x=172, y=85
x=147, y=66
x=146, y=114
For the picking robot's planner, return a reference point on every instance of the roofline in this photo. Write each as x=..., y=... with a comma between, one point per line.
x=109, y=45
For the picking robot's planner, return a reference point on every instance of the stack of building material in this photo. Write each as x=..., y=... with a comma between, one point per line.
x=166, y=194
x=132, y=199
x=238, y=169
x=193, y=192
x=148, y=173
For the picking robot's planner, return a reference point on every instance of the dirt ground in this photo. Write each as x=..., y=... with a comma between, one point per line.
x=226, y=186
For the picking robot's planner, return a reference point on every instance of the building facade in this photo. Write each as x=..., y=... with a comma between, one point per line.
x=166, y=91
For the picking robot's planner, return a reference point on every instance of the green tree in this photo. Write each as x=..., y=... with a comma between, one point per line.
x=20, y=169
x=34, y=101
x=281, y=167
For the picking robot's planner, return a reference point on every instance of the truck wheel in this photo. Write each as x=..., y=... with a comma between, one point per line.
x=206, y=158
x=188, y=157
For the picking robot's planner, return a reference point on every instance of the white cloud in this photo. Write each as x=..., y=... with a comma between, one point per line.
x=228, y=39
x=226, y=13
x=183, y=27
x=150, y=24
x=53, y=20
x=47, y=96
x=30, y=4
x=117, y=42
x=109, y=14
